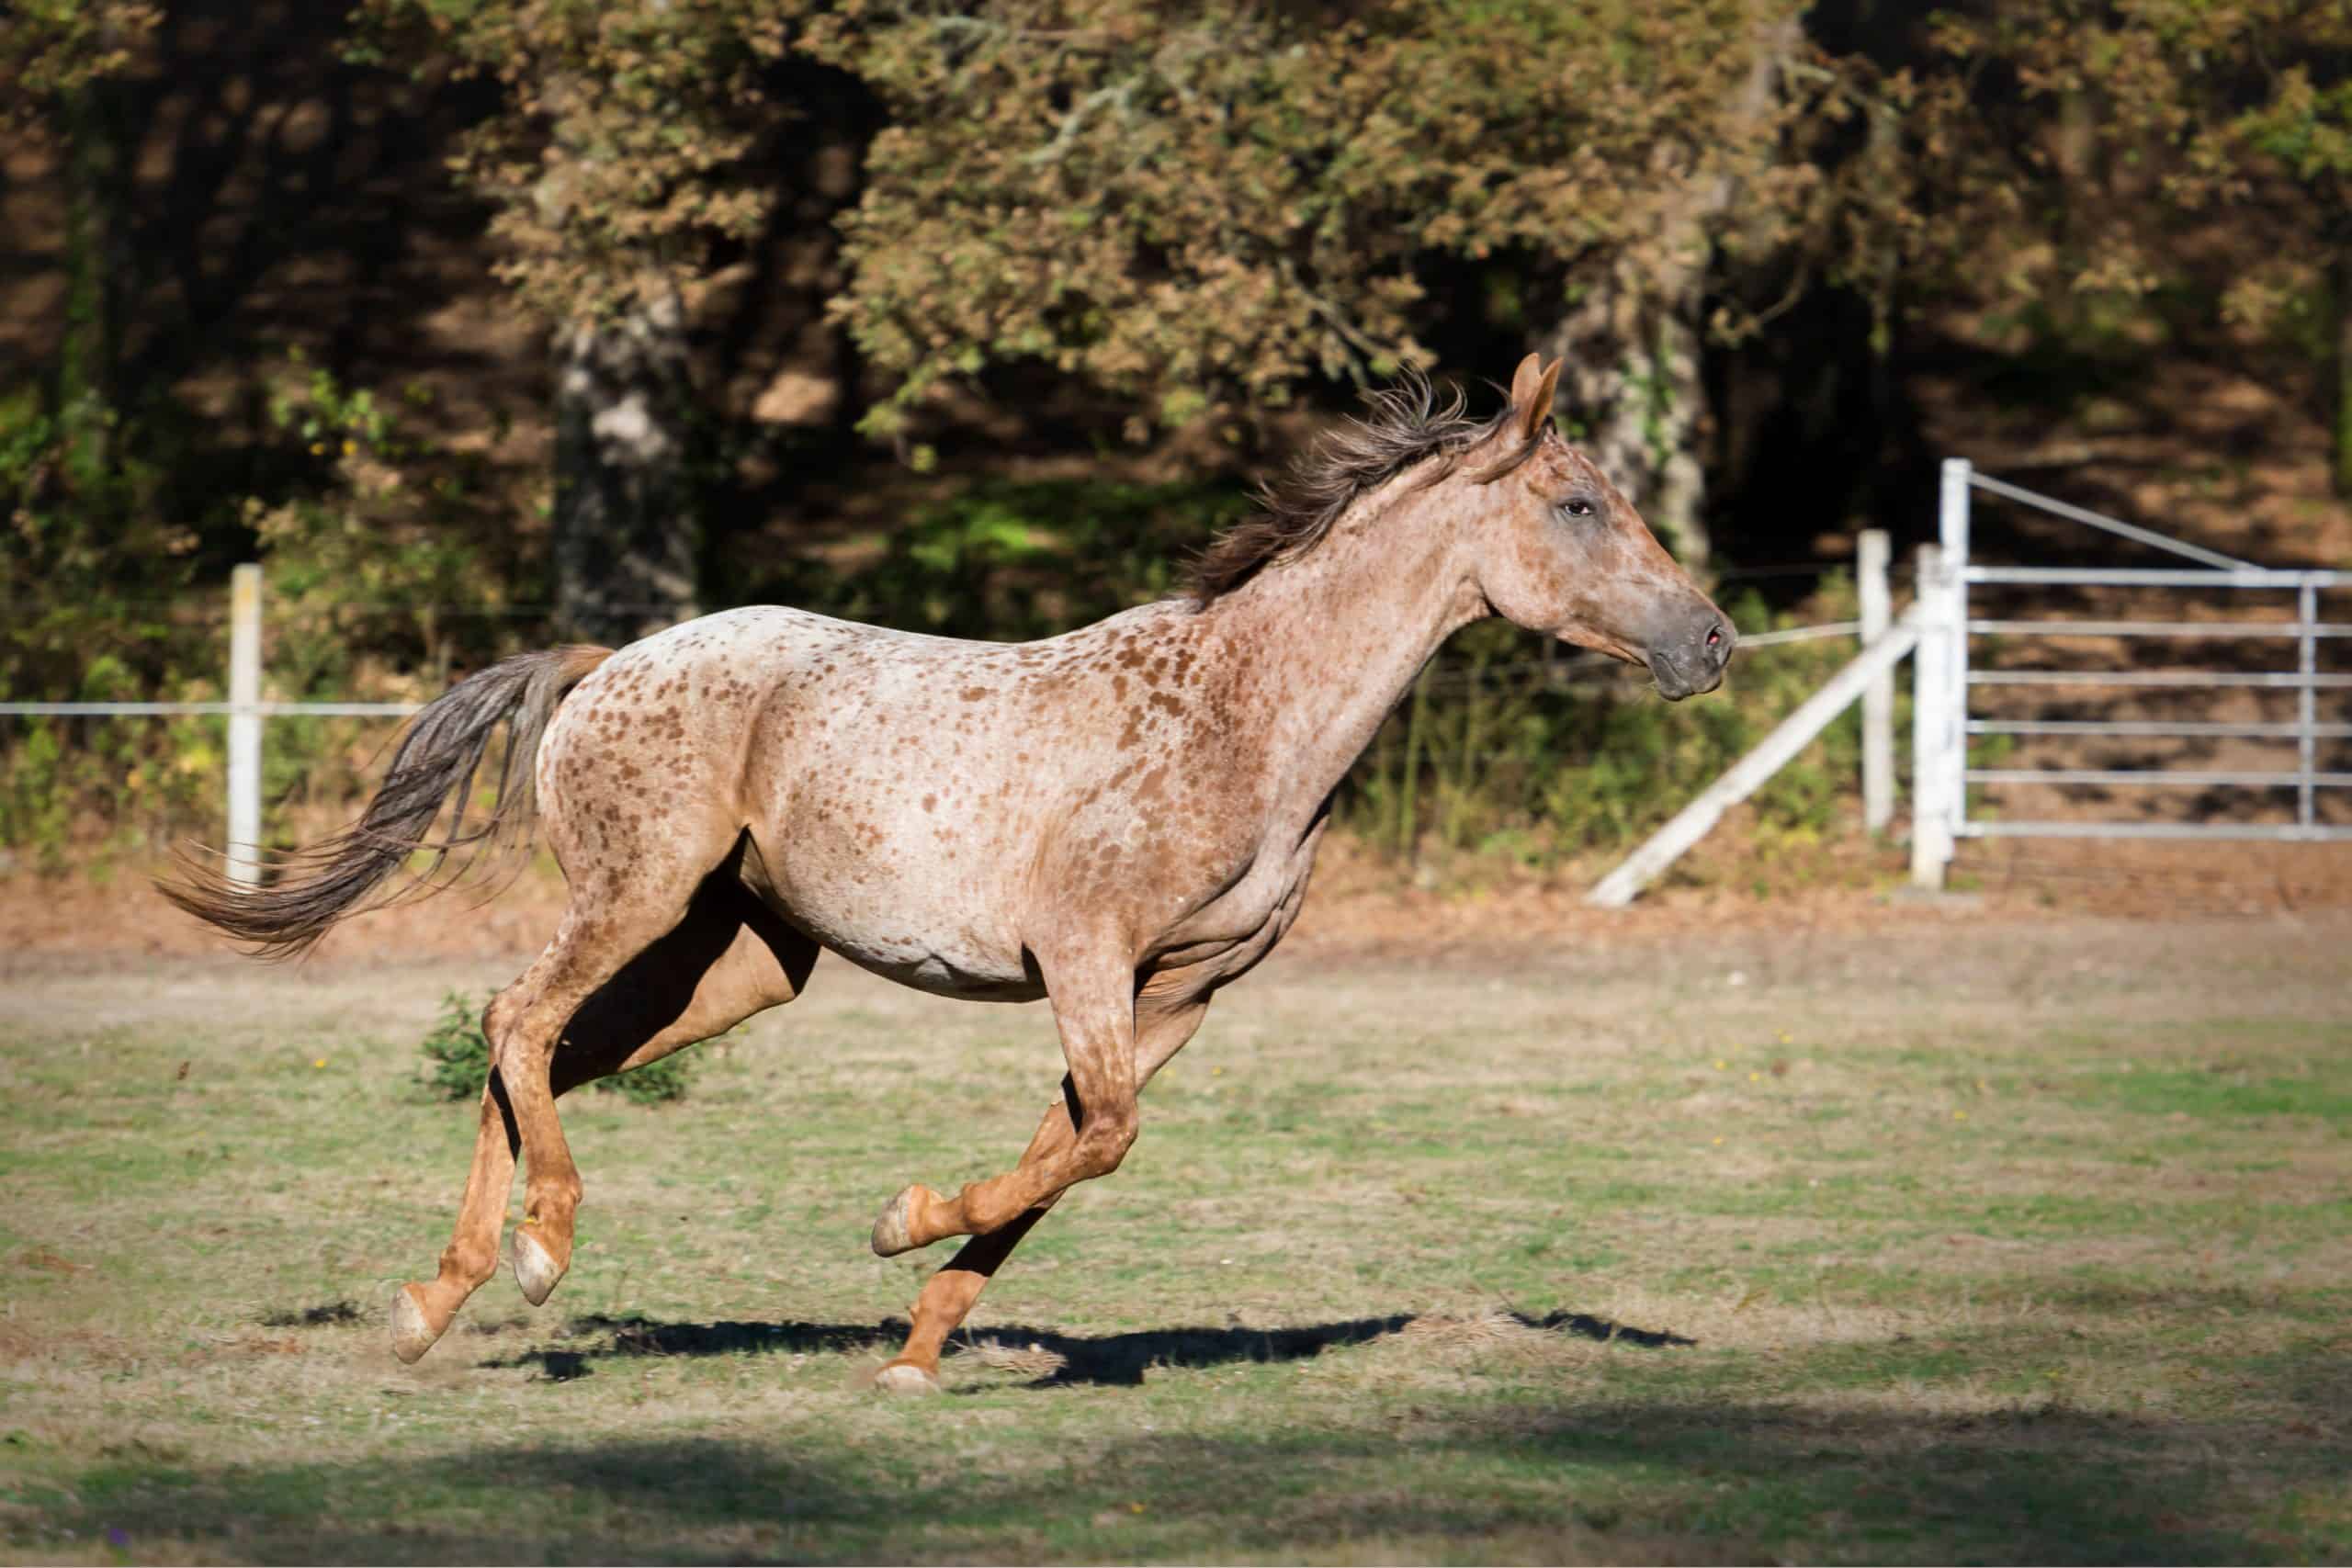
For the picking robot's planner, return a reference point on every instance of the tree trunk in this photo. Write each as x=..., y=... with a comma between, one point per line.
x=626, y=531
x=2341, y=301
x=97, y=270
x=1634, y=388
x=1633, y=397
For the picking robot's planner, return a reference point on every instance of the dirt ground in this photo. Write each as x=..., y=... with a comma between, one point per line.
x=1364, y=906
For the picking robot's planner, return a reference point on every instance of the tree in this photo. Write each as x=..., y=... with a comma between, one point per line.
x=59, y=65
x=2094, y=157
x=82, y=542
x=1199, y=209
x=621, y=161
x=1632, y=338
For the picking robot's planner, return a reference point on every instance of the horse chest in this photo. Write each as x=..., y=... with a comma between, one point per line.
x=1229, y=934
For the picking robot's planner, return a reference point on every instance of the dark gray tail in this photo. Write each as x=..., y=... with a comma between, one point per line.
x=435, y=762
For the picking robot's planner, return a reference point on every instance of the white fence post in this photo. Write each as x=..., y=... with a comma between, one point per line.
x=2306, y=700
x=244, y=725
x=1930, y=689
x=1878, y=697
x=1743, y=777
x=1951, y=526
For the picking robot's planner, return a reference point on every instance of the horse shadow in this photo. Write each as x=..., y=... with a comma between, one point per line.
x=1111, y=1359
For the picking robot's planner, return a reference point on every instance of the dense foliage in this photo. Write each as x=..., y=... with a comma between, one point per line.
x=1203, y=207
x=2145, y=168
x=1084, y=267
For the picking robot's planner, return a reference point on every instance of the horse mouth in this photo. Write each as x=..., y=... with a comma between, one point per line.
x=1693, y=668
x=1674, y=683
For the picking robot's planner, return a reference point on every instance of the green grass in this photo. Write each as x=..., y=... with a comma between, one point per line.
x=1953, y=1243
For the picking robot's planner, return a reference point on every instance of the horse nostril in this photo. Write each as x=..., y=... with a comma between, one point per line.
x=1714, y=634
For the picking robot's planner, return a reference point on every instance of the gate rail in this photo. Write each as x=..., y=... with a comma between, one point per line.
x=1944, y=680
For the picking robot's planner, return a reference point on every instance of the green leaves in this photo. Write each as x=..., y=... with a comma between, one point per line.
x=1246, y=200
x=456, y=1061
x=625, y=155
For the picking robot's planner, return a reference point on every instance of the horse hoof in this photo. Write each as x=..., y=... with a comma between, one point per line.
x=905, y=1377
x=893, y=1232
x=413, y=1334
x=536, y=1271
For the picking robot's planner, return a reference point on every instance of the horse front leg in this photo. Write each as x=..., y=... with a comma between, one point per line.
x=1094, y=1009
x=950, y=1294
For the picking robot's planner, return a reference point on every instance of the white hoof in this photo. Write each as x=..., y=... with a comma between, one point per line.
x=892, y=1233
x=900, y=1376
x=535, y=1270
x=412, y=1334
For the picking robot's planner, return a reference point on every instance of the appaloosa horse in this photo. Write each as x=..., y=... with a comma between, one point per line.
x=1120, y=819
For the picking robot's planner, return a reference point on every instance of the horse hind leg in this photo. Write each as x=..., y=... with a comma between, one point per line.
x=422, y=1310
x=731, y=957
x=727, y=959
x=589, y=1022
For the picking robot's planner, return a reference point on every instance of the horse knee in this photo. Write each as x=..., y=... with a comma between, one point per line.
x=1105, y=1141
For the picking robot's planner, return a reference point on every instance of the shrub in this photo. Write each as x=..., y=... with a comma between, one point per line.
x=457, y=1056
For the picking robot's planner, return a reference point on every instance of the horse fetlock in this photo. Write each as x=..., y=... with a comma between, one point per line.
x=548, y=1208
x=468, y=1266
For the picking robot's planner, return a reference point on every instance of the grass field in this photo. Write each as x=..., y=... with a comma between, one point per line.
x=1962, y=1241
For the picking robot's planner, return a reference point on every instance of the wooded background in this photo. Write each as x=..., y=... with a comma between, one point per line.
x=483, y=322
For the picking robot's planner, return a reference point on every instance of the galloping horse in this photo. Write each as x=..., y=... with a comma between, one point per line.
x=1120, y=819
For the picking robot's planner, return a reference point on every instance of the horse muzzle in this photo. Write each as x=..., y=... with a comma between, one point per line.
x=1692, y=665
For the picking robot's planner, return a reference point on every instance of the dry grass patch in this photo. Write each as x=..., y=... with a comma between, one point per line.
x=1351, y=1298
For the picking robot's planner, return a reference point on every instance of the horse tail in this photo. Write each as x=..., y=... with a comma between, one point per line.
x=434, y=765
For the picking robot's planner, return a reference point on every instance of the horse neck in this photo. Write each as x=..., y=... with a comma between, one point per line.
x=1335, y=638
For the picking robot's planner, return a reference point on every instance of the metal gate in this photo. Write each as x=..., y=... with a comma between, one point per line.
x=1945, y=682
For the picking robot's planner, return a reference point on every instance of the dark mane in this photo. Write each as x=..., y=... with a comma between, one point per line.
x=1406, y=424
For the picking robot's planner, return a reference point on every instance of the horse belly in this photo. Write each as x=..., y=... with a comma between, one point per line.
x=932, y=930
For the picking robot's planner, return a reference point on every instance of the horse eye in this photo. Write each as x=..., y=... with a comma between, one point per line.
x=1577, y=508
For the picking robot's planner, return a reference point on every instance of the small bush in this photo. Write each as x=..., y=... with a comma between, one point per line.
x=457, y=1056
x=656, y=1083
x=457, y=1053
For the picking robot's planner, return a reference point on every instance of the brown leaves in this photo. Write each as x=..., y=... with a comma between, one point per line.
x=627, y=149
x=2068, y=149
x=1200, y=213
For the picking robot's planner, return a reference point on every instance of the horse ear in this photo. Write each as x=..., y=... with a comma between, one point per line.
x=1523, y=379
x=1531, y=395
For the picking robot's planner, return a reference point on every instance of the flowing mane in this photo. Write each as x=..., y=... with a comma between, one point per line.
x=1404, y=425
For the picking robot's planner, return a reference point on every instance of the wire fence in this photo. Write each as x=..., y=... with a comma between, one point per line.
x=1559, y=671
x=1509, y=695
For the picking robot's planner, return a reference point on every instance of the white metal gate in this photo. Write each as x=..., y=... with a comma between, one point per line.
x=1944, y=681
